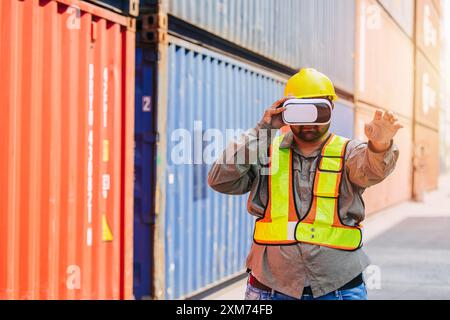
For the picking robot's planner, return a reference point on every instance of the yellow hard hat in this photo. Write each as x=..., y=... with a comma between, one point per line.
x=310, y=83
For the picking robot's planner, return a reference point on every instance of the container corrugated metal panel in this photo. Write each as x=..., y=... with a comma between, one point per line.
x=287, y=31
x=428, y=32
x=445, y=82
x=397, y=186
x=145, y=169
x=385, y=67
x=444, y=128
x=427, y=93
x=342, y=122
x=126, y=7
x=438, y=6
x=208, y=234
x=67, y=151
x=403, y=13
x=427, y=149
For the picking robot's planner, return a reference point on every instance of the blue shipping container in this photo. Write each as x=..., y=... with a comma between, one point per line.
x=144, y=170
x=297, y=33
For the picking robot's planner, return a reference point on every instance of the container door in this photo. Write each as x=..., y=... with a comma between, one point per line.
x=66, y=151
x=145, y=171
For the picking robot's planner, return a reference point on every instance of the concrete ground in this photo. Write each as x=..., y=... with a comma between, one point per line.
x=409, y=246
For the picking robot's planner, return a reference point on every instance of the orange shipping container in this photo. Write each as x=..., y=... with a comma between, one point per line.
x=426, y=162
x=67, y=106
x=398, y=185
x=428, y=31
x=384, y=63
x=427, y=93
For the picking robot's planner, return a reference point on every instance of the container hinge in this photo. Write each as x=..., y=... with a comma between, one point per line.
x=132, y=24
x=154, y=28
x=134, y=8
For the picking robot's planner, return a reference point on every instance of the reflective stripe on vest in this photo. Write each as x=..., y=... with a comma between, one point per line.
x=280, y=218
x=322, y=224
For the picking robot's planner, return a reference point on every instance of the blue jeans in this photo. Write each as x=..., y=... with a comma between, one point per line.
x=356, y=293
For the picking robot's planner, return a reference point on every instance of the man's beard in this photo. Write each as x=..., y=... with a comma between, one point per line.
x=312, y=133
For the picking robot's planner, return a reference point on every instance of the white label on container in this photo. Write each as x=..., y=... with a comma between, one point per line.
x=90, y=172
x=90, y=154
x=89, y=237
x=105, y=97
x=428, y=94
x=429, y=30
x=106, y=184
x=171, y=178
x=373, y=17
x=146, y=104
x=90, y=146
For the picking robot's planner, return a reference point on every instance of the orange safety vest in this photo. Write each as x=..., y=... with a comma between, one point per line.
x=322, y=225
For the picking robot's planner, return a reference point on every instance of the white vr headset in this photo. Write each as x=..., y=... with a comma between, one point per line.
x=307, y=112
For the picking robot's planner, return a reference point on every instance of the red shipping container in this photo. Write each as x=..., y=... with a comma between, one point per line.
x=66, y=165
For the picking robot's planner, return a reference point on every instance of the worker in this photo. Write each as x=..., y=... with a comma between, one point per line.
x=308, y=235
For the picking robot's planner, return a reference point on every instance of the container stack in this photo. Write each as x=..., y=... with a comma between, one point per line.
x=67, y=73
x=385, y=80
x=111, y=111
x=223, y=64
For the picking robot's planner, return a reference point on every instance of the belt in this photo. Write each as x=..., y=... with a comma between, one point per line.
x=306, y=290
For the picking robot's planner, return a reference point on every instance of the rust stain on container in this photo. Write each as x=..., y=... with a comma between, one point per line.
x=62, y=94
x=384, y=60
x=428, y=31
x=427, y=93
x=397, y=186
x=426, y=161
